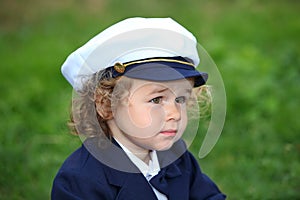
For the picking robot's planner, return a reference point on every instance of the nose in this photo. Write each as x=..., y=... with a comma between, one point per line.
x=173, y=111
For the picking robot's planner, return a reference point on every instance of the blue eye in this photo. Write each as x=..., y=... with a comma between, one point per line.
x=180, y=100
x=156, y=100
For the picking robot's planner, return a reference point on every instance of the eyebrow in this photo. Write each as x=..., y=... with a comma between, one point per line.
x=157, y=89
x=161, y=89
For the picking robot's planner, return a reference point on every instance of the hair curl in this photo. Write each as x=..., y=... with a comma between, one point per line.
x=92, y=104
x=85, y=116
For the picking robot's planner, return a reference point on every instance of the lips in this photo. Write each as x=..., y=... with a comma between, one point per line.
x=170, y=132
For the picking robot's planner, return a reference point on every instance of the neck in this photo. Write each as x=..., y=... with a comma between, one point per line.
x=145, y=157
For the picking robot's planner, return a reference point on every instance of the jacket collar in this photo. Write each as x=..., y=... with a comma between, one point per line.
x=129, y=178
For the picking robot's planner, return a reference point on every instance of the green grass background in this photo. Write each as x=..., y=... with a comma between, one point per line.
x=255, y=44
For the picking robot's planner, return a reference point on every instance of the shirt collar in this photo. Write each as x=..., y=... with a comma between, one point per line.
x=148, y=171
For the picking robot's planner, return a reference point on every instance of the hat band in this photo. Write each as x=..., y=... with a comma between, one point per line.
x=121, y=67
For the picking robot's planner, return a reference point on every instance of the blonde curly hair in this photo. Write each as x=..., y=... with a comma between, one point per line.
x=92, y=105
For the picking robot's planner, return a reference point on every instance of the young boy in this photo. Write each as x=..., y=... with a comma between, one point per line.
x=133, y=82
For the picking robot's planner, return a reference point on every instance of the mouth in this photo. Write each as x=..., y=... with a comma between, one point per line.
x=170, y=132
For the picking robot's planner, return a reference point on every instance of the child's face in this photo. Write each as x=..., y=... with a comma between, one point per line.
x=154, y=115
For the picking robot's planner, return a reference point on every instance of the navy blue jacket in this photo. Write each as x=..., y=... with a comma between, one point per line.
x=82, y=176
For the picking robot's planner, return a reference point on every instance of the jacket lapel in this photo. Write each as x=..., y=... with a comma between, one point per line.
x=131, y=186
x=120, y=172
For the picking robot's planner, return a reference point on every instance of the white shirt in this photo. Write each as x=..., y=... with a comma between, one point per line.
x=149, y=171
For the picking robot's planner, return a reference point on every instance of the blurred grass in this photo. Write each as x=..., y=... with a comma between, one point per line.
x=254, y=43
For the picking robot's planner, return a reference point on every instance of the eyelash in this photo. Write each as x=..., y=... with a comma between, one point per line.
x=155, y=99
x=158, y=100
x=180, y=100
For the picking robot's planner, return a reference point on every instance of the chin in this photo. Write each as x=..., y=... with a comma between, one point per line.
x=164, y=147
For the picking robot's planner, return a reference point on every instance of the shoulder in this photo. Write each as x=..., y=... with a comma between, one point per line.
x=81, y=161
x=185, y=175
x=80, y=176
x=200, y=185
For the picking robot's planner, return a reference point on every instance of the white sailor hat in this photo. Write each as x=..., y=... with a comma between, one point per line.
x=155, y=49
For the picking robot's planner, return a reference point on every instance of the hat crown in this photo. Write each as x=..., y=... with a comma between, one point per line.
x=128, y=40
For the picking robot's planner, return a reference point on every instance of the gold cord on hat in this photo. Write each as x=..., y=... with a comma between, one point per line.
x=120, y=67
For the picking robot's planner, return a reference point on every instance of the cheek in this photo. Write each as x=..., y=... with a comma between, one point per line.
x=145, y=116
x=140, y=121
x=183, y=123
x=184, y=120
x=140, y=117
